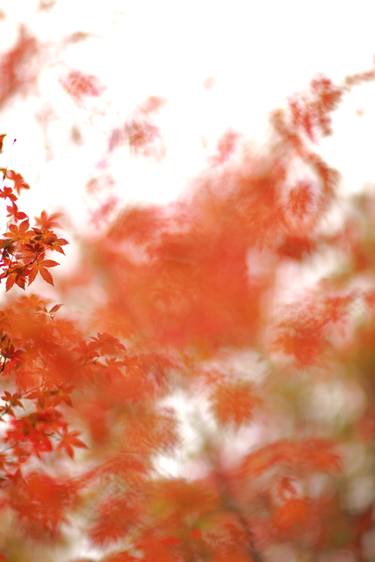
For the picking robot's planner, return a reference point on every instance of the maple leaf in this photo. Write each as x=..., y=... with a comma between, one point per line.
x=18, y=180
x=108, y=345
x=116, y=516
x=41, y=268
x=12, y=400
x=7, y=193
x=69, y=440
x=16, y=274
x=46, y=222
x=41, y=501
x=78, y=85
x=15, y=67
x=14, y=213
x=140, y=134
x=50, y=397
x=234, y=402
x=19, y=232
x=55, y=243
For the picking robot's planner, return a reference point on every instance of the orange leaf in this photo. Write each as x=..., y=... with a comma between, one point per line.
x=46, y=275
x=33, y=273
x=234, y=402
x=49, y=263
x=10, y=281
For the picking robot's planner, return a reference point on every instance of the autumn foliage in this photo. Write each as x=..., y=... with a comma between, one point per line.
x=181, y=416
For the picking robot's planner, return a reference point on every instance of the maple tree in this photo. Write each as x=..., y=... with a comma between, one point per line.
x=189, y=321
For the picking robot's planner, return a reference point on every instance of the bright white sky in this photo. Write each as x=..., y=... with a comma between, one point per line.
x=256, y=52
